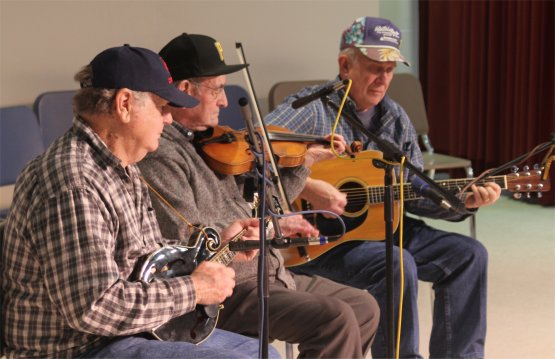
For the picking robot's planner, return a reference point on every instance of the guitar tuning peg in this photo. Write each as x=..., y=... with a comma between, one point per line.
x=517, y=195
x=526, y=168
x=514, y=169
x=540, y=195
x=528, y=195
x=536, y=166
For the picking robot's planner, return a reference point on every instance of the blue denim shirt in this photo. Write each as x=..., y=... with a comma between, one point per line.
x=390, y=122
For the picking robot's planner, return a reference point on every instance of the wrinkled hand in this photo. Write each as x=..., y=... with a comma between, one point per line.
x=252, y=233
x=324, y=196
x=483, y=195
x=316, y=152
x=296, y=225
x=213, y=282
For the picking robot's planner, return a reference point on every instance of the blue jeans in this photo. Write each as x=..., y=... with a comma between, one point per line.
x=220, y=344
x=455, y=264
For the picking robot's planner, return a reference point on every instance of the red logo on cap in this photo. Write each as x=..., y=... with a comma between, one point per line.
x=170, y=80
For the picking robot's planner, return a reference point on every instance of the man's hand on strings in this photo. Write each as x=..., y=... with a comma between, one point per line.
x=251, y=226
x=317, y=152
x=296, y=226
x=213, y=282
x=482, y=195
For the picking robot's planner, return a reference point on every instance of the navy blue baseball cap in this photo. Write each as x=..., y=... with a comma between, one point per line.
x=137, y=69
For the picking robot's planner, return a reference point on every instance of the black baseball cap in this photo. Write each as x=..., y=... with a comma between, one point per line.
x=190, y=56
x=137, y=69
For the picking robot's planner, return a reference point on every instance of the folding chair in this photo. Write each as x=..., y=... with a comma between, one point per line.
x=406, y=90
x=20, y=142
x=281, y=90
x=55, y=113
x=232, y=115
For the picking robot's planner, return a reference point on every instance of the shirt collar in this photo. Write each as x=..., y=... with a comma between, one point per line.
x=84, y=131
x=187, y=133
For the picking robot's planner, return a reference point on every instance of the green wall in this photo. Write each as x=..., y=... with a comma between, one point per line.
x=404, y=14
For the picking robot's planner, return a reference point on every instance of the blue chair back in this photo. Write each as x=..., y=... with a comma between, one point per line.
x=20, y=141
x=55, y=113
x=231, y=115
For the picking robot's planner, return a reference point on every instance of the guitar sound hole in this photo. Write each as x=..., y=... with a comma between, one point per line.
x=356, y=196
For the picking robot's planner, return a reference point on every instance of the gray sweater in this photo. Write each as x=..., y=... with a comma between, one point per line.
x=205, y=198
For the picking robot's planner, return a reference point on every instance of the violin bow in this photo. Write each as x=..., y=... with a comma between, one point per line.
x=265, y=136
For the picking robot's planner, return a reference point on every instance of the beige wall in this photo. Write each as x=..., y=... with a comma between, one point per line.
x=43, y=43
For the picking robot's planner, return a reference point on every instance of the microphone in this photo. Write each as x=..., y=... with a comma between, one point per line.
x=245, y=109
x=424, y=189
x=320, y=93
x=281, y=243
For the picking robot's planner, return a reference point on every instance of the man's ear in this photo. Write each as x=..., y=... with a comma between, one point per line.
x=123, y=103
x=344, y=65
x=187, y=87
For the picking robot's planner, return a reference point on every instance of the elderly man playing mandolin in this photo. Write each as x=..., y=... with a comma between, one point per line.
x=326, y=319
x=454, y=263
x=81, y=221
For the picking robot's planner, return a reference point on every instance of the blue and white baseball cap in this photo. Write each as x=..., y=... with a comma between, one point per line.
x=377, y=38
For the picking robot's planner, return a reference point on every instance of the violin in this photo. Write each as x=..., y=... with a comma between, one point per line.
x=227, y=151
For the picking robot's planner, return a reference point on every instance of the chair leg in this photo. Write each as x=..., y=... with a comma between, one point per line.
x=472, y=220
x=288, y=350
x=469, y=174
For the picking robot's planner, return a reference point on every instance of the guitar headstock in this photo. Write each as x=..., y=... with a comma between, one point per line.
x=527, y=181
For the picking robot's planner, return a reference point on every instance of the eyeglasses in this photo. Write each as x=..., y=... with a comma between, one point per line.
x=214, y=91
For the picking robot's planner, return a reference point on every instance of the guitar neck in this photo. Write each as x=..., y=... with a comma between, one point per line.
x=376, y=193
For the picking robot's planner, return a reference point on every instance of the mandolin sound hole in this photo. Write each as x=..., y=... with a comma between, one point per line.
x=357, y=197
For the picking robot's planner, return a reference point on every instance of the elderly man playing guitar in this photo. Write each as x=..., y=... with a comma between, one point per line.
x=454, y=263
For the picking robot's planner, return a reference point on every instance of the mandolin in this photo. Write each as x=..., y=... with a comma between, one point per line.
x=363, y=183
x=174, y=261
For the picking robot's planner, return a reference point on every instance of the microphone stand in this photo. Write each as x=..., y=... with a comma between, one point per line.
x=263, y=292
x=264, y=187
x=392, y=154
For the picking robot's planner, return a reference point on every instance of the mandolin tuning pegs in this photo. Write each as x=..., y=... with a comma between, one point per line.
x=517, y=195
x=514, y=169
x=526, y=168
x=540, y=195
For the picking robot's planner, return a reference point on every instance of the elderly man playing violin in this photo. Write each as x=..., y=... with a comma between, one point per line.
x=326, y=319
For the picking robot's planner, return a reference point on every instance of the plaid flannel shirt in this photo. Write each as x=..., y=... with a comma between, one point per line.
x=78, y=226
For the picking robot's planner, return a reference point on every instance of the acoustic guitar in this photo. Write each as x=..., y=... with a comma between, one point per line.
x=174, y=261
x=362, y=180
